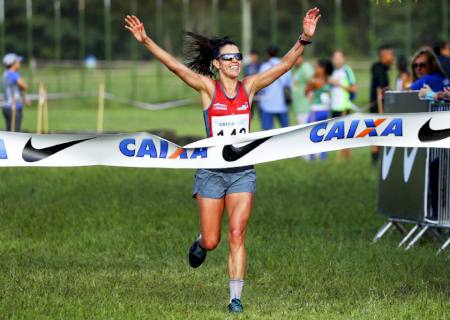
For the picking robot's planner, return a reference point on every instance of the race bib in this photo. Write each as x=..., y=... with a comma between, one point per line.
x=230, y=125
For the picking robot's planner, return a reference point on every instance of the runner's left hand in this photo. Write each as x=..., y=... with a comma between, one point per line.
x=310, y=22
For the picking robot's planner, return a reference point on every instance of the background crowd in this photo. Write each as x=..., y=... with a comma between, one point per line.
x=327, y=87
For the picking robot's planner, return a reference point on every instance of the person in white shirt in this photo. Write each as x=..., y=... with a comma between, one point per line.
x=343, y=90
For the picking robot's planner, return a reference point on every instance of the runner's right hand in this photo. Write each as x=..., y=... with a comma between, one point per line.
x=136, y=27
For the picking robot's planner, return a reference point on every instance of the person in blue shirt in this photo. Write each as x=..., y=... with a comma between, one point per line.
x=272, y=99
x=427, y=70
x=13, y=92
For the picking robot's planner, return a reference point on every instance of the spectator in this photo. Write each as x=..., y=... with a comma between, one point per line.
x=343, y=85
x=343, y=90
x=301, y=75
x=427, y=70
x=404, y=76
x=318, y=90
x=272, y=98
x=250, y=69
x=378, y=85
x=442, y=51
x=253, y=66
x=13, y=92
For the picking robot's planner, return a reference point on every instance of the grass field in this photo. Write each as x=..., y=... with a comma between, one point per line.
x=111, y=243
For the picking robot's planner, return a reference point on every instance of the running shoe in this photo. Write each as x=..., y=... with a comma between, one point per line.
x=196, y=254
x=235, y=306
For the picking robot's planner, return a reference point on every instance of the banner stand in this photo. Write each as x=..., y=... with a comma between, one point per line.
x=420, y=176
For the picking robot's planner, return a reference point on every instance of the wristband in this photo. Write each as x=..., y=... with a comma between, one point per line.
x=304, y=42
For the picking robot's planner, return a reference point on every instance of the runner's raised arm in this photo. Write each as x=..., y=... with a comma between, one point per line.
x=257, y=82
x=193, y=79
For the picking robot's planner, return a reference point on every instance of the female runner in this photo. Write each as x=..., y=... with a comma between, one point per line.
x=212, y=68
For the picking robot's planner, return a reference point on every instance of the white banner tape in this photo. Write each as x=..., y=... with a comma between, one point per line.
x=146, y=150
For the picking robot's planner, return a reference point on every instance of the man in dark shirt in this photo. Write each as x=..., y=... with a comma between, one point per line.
x=378, y=85
x=442, y=51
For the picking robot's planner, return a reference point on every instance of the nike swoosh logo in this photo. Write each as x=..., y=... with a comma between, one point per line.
x=426, y=134
x=231, y=153
x=387, y=161
x=31, y=154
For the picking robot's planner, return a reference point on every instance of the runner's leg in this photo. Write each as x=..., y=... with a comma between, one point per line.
x=266, y=120
x=210, y=216
x=284, y=119
x=7, y=115
x=239, y=208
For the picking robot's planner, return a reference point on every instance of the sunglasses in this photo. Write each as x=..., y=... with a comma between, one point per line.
x=231, y=56
x=419, y=65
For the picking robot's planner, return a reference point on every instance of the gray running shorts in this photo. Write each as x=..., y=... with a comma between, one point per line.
x=216, y=183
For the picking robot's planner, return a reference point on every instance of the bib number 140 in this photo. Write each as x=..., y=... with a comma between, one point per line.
x=230, y=125
x=233, y=133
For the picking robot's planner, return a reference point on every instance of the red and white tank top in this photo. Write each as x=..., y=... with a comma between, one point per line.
x=227, y=116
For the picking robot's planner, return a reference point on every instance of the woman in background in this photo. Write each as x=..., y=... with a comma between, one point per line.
x=404, y=76
x=427, y=70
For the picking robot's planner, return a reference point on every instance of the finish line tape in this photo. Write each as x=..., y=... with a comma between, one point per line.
x=150, y=151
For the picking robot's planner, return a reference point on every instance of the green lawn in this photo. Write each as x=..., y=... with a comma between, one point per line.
x=111, y=243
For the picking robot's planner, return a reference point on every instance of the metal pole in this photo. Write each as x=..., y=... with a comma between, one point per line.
x=57, y=34
x=338, y=24
x=2, y=28
x=408, y=27
x=133, y=7
x=444, y=12
x=30, y=41
x=45, y=112
x=159, y=32
x=187, y=27
x=81, y=33
x=101, y=107
x=246, y=17
x=186, y=15
x=215, y=17
x=108, y=50
x=372, y=44
x=41, y=102
x=274, y=22
x=159, y=21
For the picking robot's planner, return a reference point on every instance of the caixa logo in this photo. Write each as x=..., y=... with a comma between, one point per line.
x=147, y=147
x=348, y=130
x=3, y=154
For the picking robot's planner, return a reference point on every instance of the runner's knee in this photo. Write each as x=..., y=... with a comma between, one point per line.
x=209, y=243
x=236, y=235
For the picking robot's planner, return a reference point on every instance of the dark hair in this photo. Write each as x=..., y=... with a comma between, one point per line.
x=432, y=60
x=272, y=51
x=199, y=51
x=383, y=47
x=254, y=51
x=402, y=64
x=326, y=65
x=438, y=46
